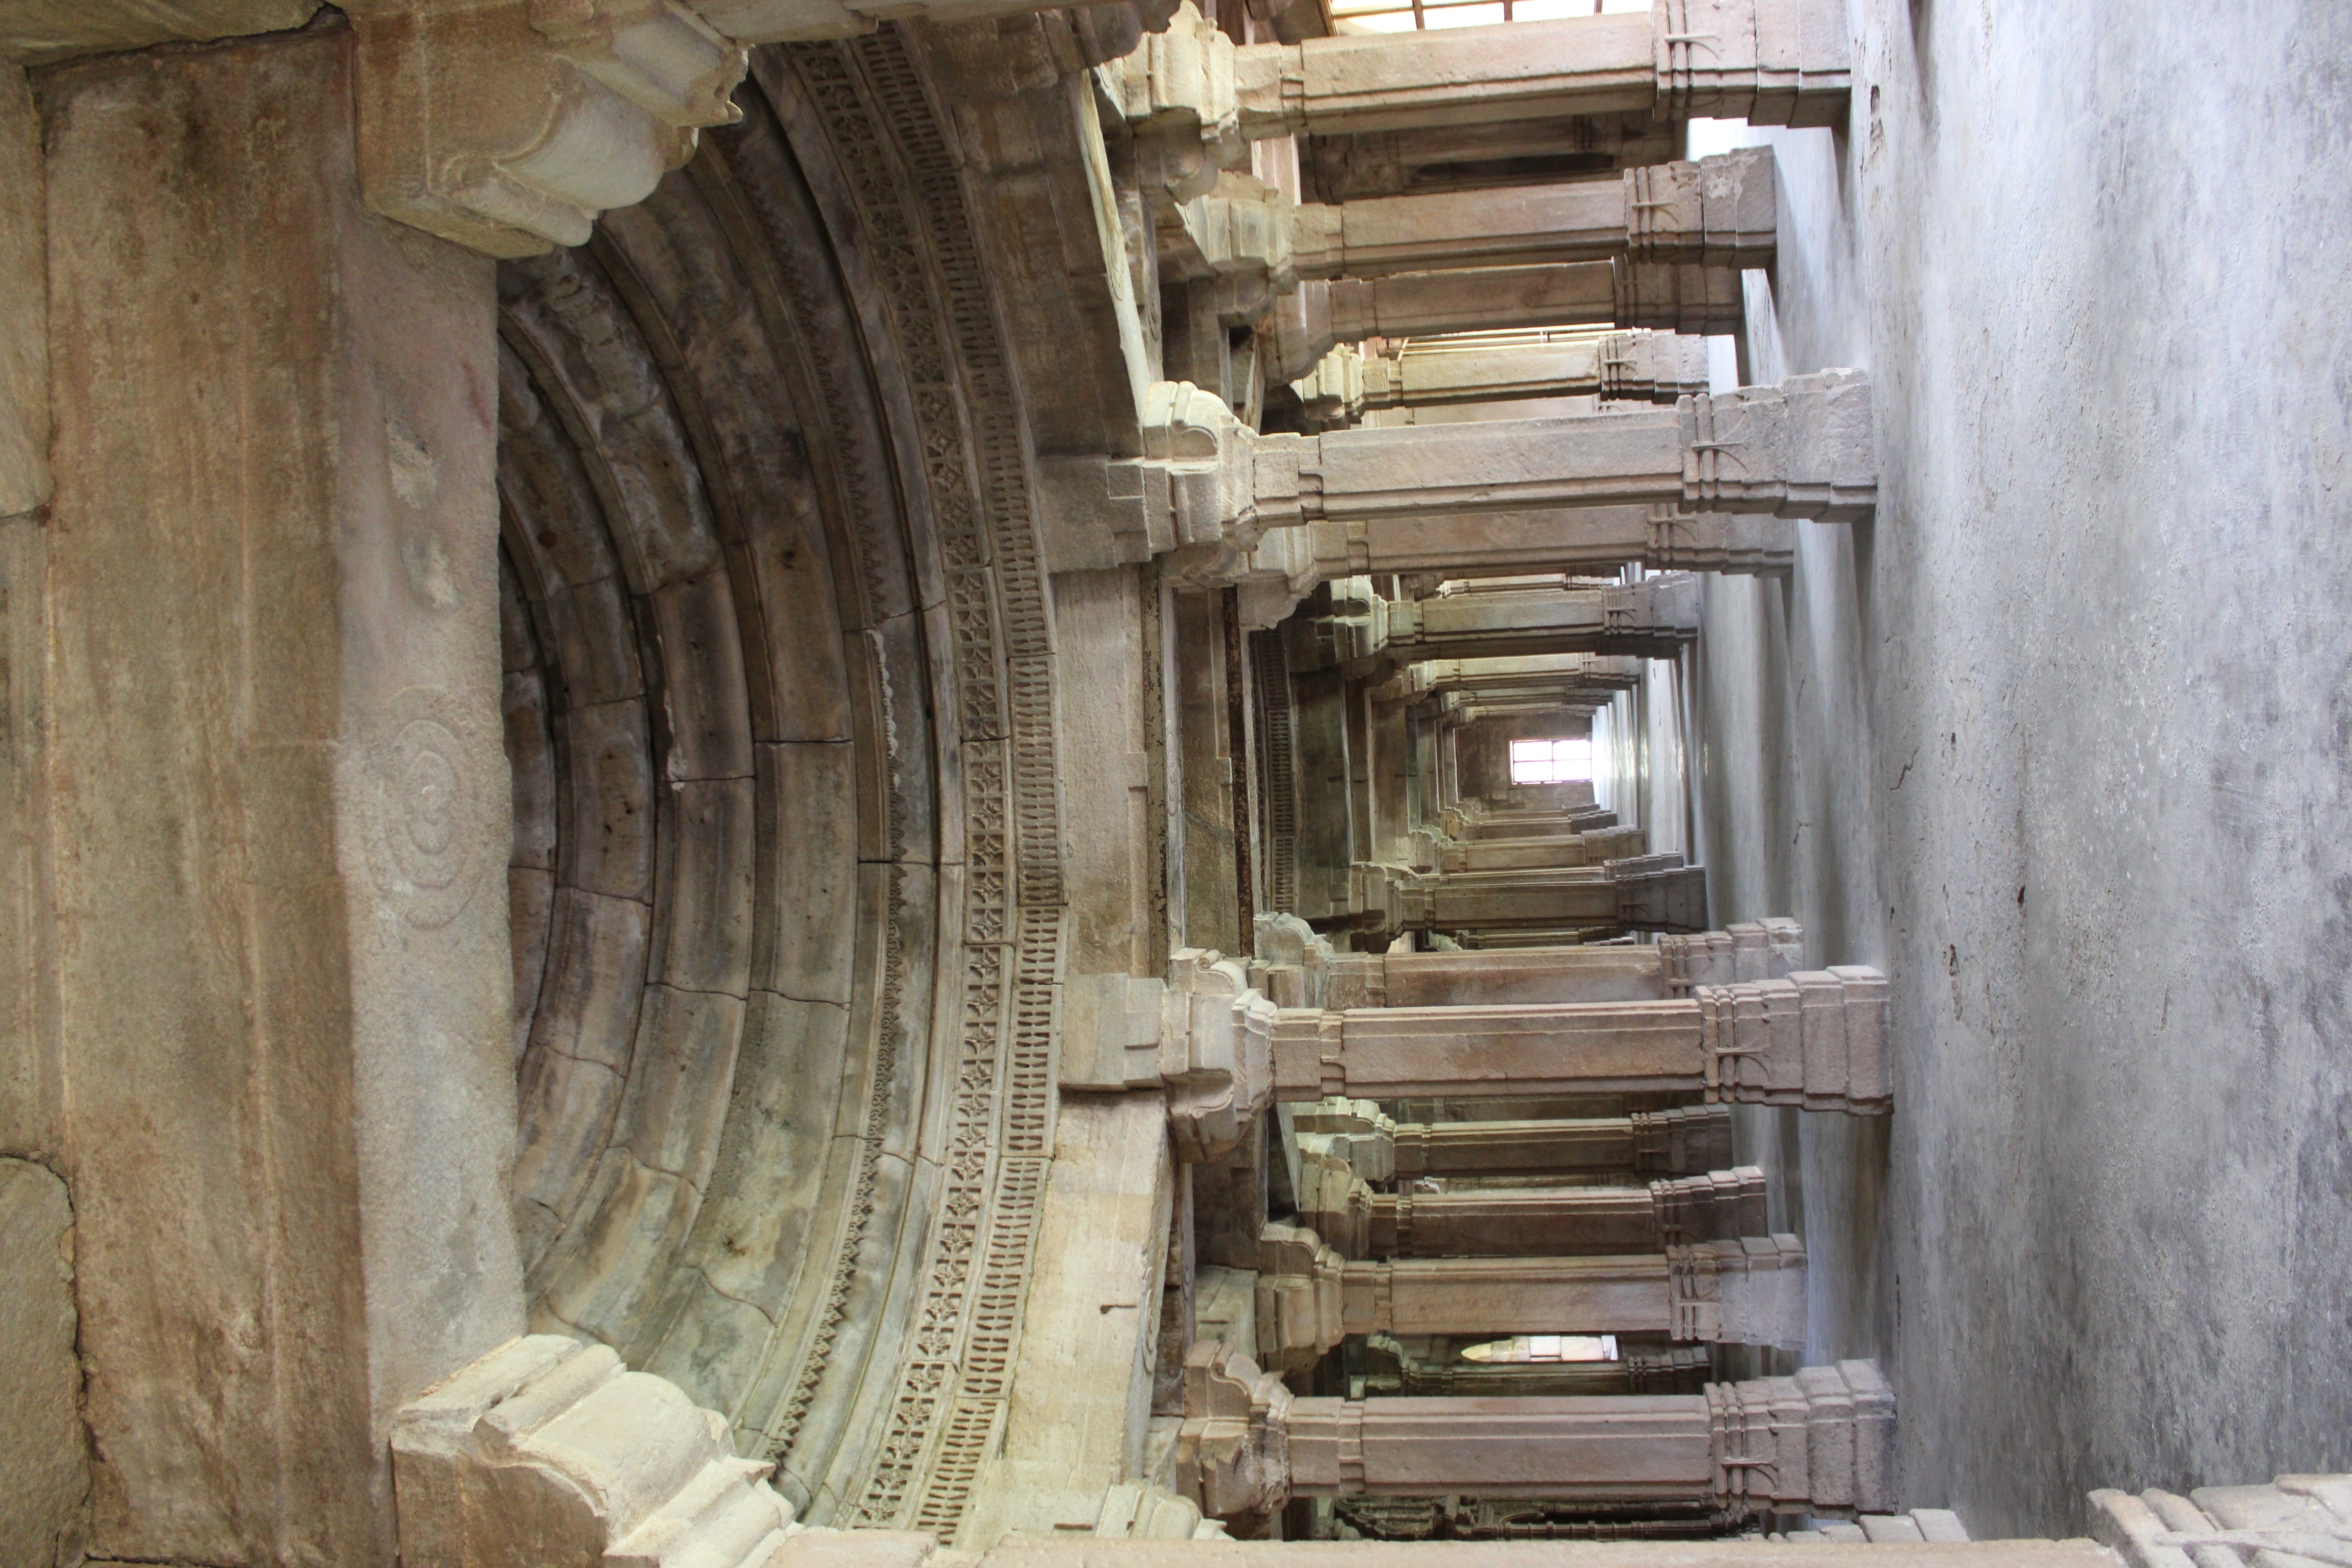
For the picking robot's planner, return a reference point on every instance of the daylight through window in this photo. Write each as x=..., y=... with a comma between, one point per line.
x=1551, y=762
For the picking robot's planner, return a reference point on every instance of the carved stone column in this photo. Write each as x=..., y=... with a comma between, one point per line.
x=1821, y=1442
x=1681, y=1369
x=1669, y=297
x=1470, y=820
x=1555, y=851
x=1683, y=1139
x=1769, y=62
x=1618, y=367
x=1816, y=1038
x=1652, y=892
x=1746, y=1291
x=1718, y=210
x=1202, y=1035
x=1589, y=539
x=1208, y=489
x=1536, y=1222
x=1650, y=619
x=1766, y=950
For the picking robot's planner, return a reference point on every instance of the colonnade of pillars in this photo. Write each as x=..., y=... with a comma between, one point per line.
x=1416, y=1225
x=1433, y=556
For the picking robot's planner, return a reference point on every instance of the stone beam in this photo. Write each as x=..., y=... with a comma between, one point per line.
x=1466, y=820
x=1815, y=1039
x=1440, y=675
x=1555, y=851
x=1719, y=210
x=1685, y=1139
x=1688, y=298
x=1441, y=157
x=1769, y=62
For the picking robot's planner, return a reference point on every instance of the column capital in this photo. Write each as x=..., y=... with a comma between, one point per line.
x=1768, y=63
x=1232, y=1450
x=507, y=127
x=1176, y=93
x=1301, y=1299
x=547, y=1449
x=1203, y=1035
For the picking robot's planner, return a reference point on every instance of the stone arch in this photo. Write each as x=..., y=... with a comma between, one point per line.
x=786, y=878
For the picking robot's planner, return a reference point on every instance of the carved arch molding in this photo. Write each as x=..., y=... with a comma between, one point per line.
x=787, y=877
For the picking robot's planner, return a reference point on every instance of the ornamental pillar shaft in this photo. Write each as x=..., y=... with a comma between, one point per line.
x=1815, y=1039
x=1747, y=1292
x=1822, y=1442
x=1598, y=538
x=1770, y=62
x=1797, y=449
x=1567, y=1222
x=1652, y=619
x=1673, y=1370
x=1694, y=298
x=1766, y=950
x=1683, y=1139
x=1718, y=210
x=1624, y=367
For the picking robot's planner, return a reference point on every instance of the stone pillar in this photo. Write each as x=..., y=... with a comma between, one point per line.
x=1567, y=1222
x=1801, y=448
x=1618, y=367
x=1528, y=672
x=1652, y=892
x=1747, y=1292
x=1650, y=619
x=1553, y=852
x=278, y=800
x=1821, y=1442
x=1766, y=950
x=1683, y=1139
x=1669, y=297
x=1681, y=1369
x=1816, y=1038
x=1326, y=845
x=1432, y=158
x=1589, y=539
x=1472, y=822
x=1769, y=62
x=1718, y=211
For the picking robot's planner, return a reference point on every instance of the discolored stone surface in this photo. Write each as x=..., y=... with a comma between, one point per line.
x=2058, y=743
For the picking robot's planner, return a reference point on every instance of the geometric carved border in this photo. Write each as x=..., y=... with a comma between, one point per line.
x=948, y=1406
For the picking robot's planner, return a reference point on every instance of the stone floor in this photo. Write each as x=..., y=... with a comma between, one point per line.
x=2061, y=740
